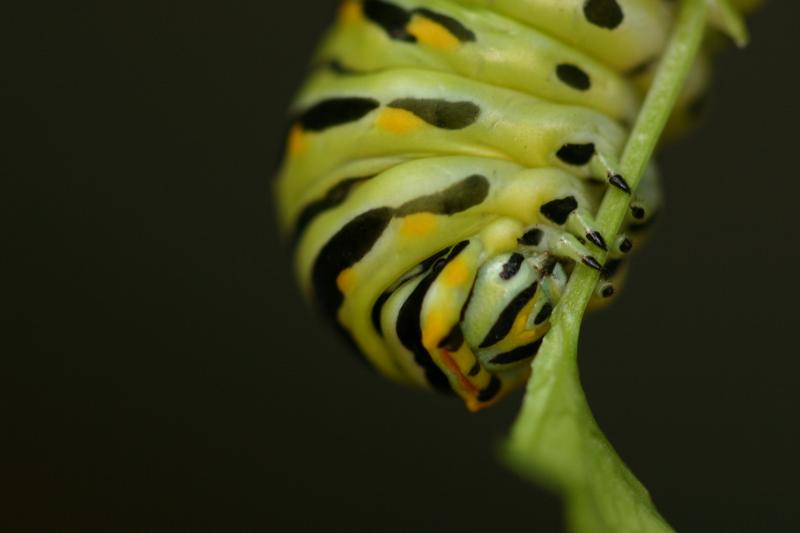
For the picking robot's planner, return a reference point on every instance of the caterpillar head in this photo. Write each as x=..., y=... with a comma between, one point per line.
x=484, y=316
x=485, y=313
x=513, y=297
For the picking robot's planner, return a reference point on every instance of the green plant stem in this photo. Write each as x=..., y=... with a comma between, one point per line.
x=555, y=439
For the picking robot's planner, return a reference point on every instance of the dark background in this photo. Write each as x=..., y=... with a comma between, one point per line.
x=161, y=372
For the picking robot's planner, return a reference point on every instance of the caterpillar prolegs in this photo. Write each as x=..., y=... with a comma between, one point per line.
x=444, y=166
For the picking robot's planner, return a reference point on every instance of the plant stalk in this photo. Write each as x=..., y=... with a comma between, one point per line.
x=555, y=439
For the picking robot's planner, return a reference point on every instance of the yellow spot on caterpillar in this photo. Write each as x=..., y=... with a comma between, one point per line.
x=518, y=329
x=418, y=225
x=456, y=273
x=431, y=33
x=526, y=336
x=522, y=319
x=298, y=139
x=350, y=12
x=399, y=121
x=346, y=280
x=435, y=329
x=519, y=334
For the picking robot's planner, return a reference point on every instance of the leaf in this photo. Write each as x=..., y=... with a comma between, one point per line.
x=561, y=445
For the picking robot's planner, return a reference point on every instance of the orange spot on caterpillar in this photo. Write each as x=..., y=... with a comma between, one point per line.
x=399, y=121
x=418, y=225
x=350, y=12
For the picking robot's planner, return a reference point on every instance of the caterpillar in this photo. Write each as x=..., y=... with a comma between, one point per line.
x=443, y=167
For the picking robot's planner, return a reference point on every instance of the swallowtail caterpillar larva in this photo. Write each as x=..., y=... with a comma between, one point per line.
x=445, y=165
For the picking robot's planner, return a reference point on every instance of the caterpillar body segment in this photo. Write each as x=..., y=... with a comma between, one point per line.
x=447, y=115
x=444, y=166
x=509, y=54
x=621, y=34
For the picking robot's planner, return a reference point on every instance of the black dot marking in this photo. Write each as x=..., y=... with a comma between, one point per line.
x=544, y=314
x=626, y=246
x=620, y=183
x=440, y=113
x=512, y=266
x=408, y=327
x=335, y=112
x=518, y=354
x=393, y=19
x=458, y=197
x=491, y=390
x=608, y=292
x=475, y=370
x=334, y=197
x=574, y=76
x=532, y=237
x=603, y=13
x=611, y=268
x=559, y=210
x=459, y=31
x=342, y=251
x=596, y=238
x=377, y=308
x=638, y=212
x=591, y=262
x=576, y=154
x=505, y=321
x=454, y=340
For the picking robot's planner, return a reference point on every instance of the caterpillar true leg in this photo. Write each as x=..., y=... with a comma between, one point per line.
x=605, y=167
x=580, y=222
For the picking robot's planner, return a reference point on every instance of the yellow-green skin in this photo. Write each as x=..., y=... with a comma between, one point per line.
x=434, y=143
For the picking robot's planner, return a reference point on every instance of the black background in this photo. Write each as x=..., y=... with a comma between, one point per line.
x=161, y=372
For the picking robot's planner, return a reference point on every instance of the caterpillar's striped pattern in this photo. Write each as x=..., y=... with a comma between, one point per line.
x=443, y=168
